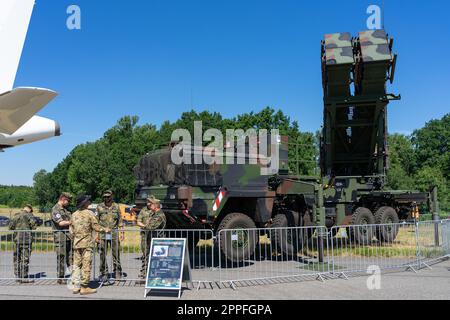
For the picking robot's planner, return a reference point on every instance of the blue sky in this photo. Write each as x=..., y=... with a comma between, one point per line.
x=146, y=57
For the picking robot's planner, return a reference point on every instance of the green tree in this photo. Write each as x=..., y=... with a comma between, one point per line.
x=428, y=177
x=432, y=157
x=401, y=162
x=16, y=196
x=42, y=189
x=432, y=145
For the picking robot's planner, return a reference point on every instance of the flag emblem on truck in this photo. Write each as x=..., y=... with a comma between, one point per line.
x=220, y=196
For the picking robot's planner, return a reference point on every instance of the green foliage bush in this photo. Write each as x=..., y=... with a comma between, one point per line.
x=422, y=160
x=16, y=196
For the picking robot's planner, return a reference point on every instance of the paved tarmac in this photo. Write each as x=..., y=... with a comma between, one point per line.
x=427, y=284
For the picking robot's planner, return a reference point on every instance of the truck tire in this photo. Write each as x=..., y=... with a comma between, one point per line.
x=237, y=242
x=359, y=232
x=388, y=218
x=287, y=240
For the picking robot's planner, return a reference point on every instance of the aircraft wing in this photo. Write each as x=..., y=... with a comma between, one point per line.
x=15, y=18
x=20, y=105
x=18, y=122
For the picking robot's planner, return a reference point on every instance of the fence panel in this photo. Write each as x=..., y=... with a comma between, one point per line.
x=252, y=255
x=432, y=241
x=389, y=246
x=34, y=253
x=128, y=247
x=243, y=256
x=446, y=237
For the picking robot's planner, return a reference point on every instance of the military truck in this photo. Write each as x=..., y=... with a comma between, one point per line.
x=231, y=196
x=353, y=163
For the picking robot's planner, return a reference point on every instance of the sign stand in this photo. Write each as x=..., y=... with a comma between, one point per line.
x=168, y=266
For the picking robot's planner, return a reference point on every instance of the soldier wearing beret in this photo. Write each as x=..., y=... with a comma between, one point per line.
x=63, y=243
x=83, y=223
x=108, y=214
x=150, y=218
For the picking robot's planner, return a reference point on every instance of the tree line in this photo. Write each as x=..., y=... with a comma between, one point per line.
x=16, y=196
x=417, y=161
x=108, y=162
x=422, y=160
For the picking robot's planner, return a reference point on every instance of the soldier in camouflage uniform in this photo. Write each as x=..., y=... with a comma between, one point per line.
x=150, y=218
x=83, y=223
x=22, y=223
x=63, y=243
x=108, y=214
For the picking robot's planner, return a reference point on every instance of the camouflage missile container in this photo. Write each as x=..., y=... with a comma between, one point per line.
x=354, y=150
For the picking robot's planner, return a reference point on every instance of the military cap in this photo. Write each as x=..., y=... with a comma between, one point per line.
x=66, y=195
x=107, y=193
x=29, y=206
x=153, y=200
x=82, y=199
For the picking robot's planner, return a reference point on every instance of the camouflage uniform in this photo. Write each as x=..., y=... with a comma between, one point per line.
x=22, y=223
x=110, y=217
x=83, y=224
x=63, y=241
x=152, y=221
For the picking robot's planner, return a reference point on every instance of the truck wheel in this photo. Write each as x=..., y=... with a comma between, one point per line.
x=238, y=241
x=287, y=240
x=388, y=218
x=359, y=231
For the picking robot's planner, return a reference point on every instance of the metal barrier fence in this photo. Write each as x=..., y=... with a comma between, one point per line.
x=34, y=254
x=391, y=246
x=433, y=240
x=446, y=237
x=28, y=254
x=244, y=256
x=125, y=253
x=252, y=255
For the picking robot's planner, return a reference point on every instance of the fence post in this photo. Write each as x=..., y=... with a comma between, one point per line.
x=331, y=260
x=416, y=226
x=436, y=233
x=320, y=235
x=436, y=214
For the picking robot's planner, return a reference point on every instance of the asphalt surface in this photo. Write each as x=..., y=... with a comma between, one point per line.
x=427, y=284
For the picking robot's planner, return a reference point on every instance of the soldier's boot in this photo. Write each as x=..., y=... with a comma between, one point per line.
x=76, y=290
x=141, y=278
x=86, y=291
x=62, y=281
